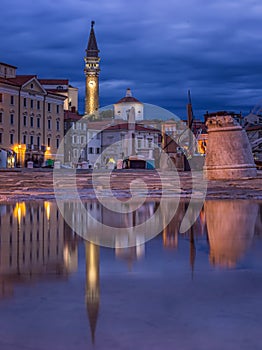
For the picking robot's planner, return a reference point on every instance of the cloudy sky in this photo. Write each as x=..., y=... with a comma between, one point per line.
x=159, y=48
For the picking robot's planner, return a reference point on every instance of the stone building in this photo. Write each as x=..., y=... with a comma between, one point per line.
x=122, y=107
x=62, y=87
x=75, y=139
x=31, y=117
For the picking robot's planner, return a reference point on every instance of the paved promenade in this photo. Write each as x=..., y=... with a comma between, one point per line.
x=28, y=184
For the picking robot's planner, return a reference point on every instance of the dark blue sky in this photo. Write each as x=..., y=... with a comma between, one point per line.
x=158, y=48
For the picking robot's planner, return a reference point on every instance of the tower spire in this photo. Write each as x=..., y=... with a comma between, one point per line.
x=92, y=48
x=92, y=71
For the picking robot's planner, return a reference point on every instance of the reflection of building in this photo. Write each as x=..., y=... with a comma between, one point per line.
x=33, y=242
x=130, y=254
x=230, y=226
x=92, y=285
x=31, y=117
x=85, y=220
x=171, y=229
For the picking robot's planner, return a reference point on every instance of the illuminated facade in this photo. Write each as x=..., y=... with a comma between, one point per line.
x=92, y=70
x=31, y=117
x=63, y=87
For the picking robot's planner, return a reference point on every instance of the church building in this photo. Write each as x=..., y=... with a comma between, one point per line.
x=123, y=106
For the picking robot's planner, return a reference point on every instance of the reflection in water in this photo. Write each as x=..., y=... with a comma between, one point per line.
x=230, y=226
x=106, y=227
x=35, y=242
x=92, y=285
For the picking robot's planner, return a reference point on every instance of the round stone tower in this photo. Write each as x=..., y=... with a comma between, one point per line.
x=229, y=154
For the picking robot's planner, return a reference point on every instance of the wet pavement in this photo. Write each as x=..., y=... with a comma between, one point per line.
x=31, y=184
x=197, y=290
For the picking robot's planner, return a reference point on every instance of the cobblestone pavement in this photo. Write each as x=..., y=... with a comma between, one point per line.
x=33, y=184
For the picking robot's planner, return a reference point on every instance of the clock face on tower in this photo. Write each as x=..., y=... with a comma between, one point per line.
x=92, y=83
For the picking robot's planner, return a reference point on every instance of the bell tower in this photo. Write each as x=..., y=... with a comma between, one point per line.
x=92, y=70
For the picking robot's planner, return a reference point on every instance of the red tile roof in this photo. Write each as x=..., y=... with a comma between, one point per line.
x=254, y=127
x=124, y=126
x=56, y=93
x=21, y=79
x=8, y=65
x=57, y=90
x=99, y=125
x=7, y=81
x=54, y=81
x=128, y=99
x=69, y=115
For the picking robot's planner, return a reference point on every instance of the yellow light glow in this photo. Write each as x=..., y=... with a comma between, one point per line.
x=92, y=270
x=47, y=209
x=48, y=148
x=19, y=211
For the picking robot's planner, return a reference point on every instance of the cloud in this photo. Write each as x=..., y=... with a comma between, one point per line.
x=161, y=49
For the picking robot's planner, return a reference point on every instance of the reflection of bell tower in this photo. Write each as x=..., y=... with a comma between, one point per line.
x=92, y=285
x=92, y=71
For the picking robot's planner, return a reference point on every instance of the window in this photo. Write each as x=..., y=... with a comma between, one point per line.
x=24, y=102
x=83, y=139
x=38, y=141
x=24, y=139
x=48, y=142
x=38, y=122
x=57, y=109
x=38, y=105
x=31, y=121
x=75, y=153
x=139, y=143
x=11, y=139
x=149, y=143
x=32, y=103
x=11, y=119
x=49, y=107
x=57, y=143
x=11, y=99
x=31, y=140
x=24, y=120
x=1, y=117
x=57, y=125
x=74, y=139
x=1, y=97
x=97, y=150
x=90, y=150
x=1, y=137
x=49, y=124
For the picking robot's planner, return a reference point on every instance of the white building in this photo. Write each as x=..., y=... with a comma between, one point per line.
x=122, y=107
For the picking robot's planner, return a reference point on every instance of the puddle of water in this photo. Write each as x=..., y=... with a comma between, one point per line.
x=197, y=290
